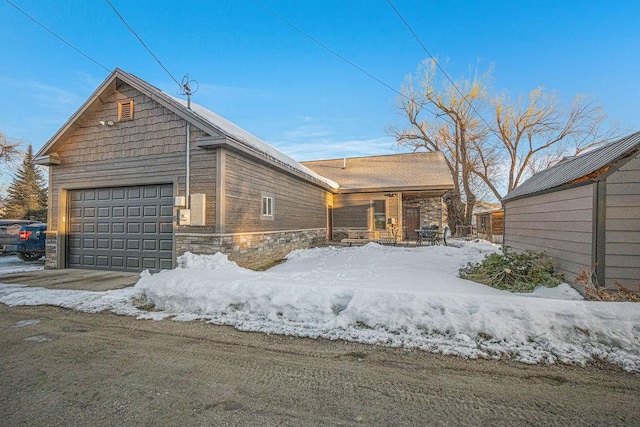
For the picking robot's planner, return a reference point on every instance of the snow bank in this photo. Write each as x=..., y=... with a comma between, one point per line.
x=393, y=296
x=400, y=297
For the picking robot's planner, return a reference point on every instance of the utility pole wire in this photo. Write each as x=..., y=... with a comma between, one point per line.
x=57, y=36
x=318, y=42
x=142, y=42
x=438, y=65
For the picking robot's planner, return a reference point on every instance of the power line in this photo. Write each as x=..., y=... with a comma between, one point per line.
x=438, y=64
x=324, y=46
x=343, y=58
x=57, y=36
x=142, y=42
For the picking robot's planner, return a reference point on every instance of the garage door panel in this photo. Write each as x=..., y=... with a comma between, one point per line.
x=165, y=264
x=122, y=228
x=133, y=228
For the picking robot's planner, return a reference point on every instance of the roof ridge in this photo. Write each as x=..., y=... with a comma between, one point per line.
x=369, y=157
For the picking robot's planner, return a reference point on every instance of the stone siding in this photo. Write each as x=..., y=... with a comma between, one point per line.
x=251, y=250
x=51, y=250
x=430, y=209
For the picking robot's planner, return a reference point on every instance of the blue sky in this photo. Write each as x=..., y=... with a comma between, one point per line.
x=277, y=84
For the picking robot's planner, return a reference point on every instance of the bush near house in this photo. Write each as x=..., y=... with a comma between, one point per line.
x=513, y=271
x=586, y=280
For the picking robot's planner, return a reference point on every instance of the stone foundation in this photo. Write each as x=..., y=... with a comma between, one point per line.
x=51, y=250
x=250, y=250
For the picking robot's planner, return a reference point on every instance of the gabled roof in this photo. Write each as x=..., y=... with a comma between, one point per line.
x=395, y=172
x=200, y=117
x=585, y=168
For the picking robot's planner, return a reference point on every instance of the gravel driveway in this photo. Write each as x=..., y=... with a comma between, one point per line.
x=60, y=367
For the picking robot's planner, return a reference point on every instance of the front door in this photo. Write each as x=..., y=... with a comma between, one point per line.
x=411, y=222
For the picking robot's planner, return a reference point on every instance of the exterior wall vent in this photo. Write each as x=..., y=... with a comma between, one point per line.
x=125, y=110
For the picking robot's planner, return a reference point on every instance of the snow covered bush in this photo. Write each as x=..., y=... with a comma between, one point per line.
x=513, y=271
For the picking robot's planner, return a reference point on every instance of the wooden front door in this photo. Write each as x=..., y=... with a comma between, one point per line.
x=411, y=222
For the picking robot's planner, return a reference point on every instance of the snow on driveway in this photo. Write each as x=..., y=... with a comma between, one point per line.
x=392, y=296
x=12, y=264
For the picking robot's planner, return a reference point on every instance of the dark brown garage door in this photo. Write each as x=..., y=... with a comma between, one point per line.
x=121, y=228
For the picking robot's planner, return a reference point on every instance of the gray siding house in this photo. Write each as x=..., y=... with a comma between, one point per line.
x=399, y=191
x=585, y=213
x=137, y=178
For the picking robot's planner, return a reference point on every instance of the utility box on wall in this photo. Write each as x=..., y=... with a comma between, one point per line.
x=198, y=209
x=184, y=217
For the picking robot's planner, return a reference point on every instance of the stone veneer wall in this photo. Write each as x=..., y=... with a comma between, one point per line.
x=51, y=250
x=250, y=250
x=430, y=209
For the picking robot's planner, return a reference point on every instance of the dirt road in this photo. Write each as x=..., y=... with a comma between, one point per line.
x=59, y=367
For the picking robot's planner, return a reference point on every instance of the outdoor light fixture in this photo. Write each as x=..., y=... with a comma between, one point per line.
x=106, y=123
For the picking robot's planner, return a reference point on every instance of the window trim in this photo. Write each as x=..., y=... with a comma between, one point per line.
x=373, y=212
x=269, y=212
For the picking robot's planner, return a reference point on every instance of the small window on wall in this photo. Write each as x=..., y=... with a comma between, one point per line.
x=125, y=110
x=380, y=214
x=267, y=207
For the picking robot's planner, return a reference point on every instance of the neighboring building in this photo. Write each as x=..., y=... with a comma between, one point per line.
x=121, y=174
x=401, y=191
x=585, y=213
x=490, y=224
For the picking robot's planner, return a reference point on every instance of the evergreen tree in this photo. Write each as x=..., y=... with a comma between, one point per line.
x=27, y=194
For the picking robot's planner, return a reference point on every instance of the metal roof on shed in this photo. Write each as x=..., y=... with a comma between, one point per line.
x=577, y=167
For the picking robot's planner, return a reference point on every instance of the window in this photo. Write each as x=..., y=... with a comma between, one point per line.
x=267, y=207
x=380, y=214
x=125, y=110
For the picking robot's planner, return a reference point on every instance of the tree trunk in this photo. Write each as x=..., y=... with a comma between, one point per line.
x=455, y=210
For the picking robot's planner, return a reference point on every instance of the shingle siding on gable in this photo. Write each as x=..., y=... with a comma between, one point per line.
x=148, y=149
x=559, y=223
x=622, y=250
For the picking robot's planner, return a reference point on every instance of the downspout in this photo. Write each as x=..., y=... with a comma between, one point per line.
x=188, y=149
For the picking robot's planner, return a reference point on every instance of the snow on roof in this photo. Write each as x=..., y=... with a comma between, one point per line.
x=241, y=135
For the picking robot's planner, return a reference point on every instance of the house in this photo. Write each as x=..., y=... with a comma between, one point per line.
x=585, y=213
x=138, y=177
x=490, y=224
x=402, y=192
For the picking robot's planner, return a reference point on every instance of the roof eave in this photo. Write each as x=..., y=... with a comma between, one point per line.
x=209, y=143
x=397, y=189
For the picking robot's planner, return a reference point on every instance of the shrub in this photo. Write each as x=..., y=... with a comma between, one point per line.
x=586, y=279
x=513, y=271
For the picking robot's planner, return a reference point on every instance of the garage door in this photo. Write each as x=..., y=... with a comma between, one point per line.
x=121, y=228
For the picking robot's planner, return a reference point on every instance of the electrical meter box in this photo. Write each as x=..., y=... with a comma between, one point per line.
x=180, y=201
x=184, y=216
x=198, y=209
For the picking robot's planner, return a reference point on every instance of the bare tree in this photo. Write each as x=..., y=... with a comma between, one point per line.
x=442, y=118
x=536, y=132
x=9, y=151
x=517, y=139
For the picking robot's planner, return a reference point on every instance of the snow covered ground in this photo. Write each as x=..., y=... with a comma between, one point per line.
x=392, y=296
x=12, y=264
